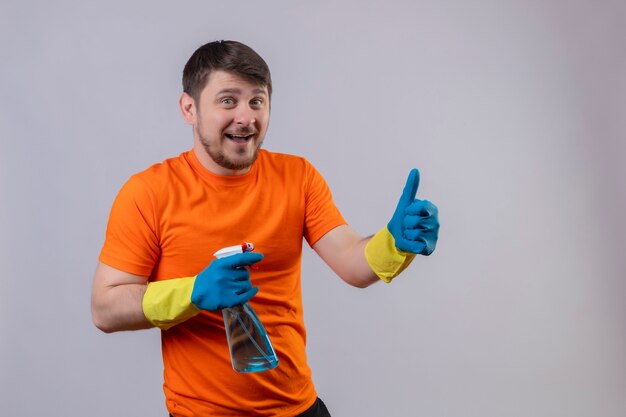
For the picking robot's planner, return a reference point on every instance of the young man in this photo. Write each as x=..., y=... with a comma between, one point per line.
x=157, y=269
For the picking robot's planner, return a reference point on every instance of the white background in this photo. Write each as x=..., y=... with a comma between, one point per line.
x=514, y=111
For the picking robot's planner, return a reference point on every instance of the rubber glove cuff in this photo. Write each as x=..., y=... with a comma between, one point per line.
x=167, y=303
x=385, y=259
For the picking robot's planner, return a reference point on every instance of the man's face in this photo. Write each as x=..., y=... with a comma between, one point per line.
x=231, y=119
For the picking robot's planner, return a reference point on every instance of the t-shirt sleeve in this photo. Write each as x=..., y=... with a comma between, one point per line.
x=321, y=214
x=132, y=243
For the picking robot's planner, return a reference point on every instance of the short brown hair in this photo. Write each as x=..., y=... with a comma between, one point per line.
x=229, y=56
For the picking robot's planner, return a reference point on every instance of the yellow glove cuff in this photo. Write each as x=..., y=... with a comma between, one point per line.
x=384, y=258
x=167, y=303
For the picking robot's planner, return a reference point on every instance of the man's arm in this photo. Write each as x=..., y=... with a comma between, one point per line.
x=116, y=299
x=343, y=250
x=413, y=229
x=123, y=301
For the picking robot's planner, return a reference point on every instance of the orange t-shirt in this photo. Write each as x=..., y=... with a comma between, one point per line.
x=168, y=220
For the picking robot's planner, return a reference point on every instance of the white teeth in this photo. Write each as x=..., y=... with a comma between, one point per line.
x=239, y=136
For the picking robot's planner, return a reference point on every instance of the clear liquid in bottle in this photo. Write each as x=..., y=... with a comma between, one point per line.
x=249, y=344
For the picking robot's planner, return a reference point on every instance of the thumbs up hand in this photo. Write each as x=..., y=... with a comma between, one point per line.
x=413, y=229
x=415, y=223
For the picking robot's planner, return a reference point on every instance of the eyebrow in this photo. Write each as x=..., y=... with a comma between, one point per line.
x=238, y=91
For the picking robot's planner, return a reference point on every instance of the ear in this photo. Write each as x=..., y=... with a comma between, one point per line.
x=188, y=108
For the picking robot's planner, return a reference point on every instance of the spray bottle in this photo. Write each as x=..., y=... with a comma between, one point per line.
x=248, y=342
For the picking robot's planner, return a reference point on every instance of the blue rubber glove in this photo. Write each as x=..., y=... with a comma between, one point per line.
x=415, y=223
x=225, y=282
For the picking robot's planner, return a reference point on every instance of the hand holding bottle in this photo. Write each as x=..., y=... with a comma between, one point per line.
x=225, y=282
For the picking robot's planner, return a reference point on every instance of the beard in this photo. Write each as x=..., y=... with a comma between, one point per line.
x=224, y=161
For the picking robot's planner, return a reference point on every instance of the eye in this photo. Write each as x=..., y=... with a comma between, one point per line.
x=227, y=101
x=256, y=102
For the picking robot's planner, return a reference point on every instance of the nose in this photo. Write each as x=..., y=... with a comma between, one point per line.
x=245, y=116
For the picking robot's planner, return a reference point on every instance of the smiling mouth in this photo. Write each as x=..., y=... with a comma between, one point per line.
x=239, y=138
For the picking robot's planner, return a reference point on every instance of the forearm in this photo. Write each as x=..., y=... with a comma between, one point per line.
x=343, y=250
x=119, y=308
x=115, y=305
x=356, y=271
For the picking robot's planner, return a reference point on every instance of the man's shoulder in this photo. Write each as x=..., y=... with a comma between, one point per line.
x=283, y=159
x=165, y=168
x=157, y=176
